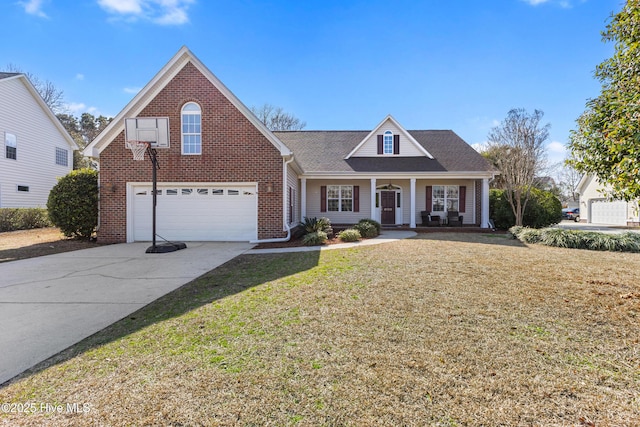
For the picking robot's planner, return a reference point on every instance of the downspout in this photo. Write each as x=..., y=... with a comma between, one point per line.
x=284, y=207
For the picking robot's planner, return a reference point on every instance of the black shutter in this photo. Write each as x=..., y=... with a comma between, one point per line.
x=380, y=145
x=463, y=199
x=323, y=198
x=429, y=202
x=396, y=144
x=356, y=198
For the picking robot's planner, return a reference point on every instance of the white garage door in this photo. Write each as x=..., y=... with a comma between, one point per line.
x=604, y=212
x=197, y=213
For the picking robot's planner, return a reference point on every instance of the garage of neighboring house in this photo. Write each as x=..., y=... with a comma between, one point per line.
x=608, y=212
x=193, y=212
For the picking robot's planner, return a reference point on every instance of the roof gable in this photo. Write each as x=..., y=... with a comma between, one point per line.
x=6, y=77
x=183, y=57
x=409, y=147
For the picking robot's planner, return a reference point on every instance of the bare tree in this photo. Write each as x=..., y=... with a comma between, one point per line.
x=52, y=96
x=275, y=118
x=519, y=154
x=569, y=178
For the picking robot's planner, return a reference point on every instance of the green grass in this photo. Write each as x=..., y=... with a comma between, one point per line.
x=444, y=329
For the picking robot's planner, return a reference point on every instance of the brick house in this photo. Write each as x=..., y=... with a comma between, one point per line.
x=224, y=176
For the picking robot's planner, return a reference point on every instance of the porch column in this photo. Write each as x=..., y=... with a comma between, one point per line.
x=412, y=217
x=484, y=220
x=373, y=200
x=303, y=198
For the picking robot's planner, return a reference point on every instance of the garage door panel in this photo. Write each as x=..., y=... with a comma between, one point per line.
x=197, y=213
x=605, y=212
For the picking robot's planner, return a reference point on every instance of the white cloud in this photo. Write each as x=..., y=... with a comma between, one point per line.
x=535, y=2
x=162, y=12
x=557, y=147
x=480, y=146
x=79, y=76
x=565, y=4
x=76, y=107
x=133, y=90
x=34, y=7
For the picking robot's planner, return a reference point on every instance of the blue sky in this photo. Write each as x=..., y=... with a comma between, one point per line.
x=459, y=65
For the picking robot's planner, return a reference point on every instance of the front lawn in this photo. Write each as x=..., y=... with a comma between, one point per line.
x=445, y=329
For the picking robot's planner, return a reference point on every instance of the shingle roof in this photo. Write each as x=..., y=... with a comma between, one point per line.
x=325, y=151
x=6, y=75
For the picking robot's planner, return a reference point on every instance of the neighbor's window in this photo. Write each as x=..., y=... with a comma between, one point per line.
x=11, y=146
x=191, y=129
x=340, y=198
x=62, y=157
x=445, y=195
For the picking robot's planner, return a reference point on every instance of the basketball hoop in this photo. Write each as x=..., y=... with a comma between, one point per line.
x=138, y=148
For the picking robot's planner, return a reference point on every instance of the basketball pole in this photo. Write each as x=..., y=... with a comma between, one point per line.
x=168, y=246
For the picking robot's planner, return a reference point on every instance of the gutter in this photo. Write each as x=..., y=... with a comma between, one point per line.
x=284, y=208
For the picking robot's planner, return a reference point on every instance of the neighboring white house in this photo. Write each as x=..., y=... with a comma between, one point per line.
x=36, y=149
x=595, y=208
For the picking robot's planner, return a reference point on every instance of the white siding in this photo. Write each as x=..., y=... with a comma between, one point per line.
x=293, y=182
x=313, y=201
x=421, y=194
x=37, y=138
x=370, y=147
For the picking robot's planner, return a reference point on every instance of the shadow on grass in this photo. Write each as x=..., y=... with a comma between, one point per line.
x=233, y=277
x=44, y=248
x=499, y=238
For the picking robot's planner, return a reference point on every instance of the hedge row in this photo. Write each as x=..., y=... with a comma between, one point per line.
x=12, y=219
x=579, y=239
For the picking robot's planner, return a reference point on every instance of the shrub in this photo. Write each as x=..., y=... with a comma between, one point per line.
x=368, y=228
x=578, y=239
x=73, y=203
x=312, y=225
x=349, y=235
x=12, y=219
x=314, y=238
x=543, y=209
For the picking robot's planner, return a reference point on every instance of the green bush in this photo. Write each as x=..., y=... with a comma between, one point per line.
x=12, y=219
x=578, y=239
x=543, y=209
x=314, y=238
x=312, y=225
x=368, y=228
x=349, y=235
x=73, y=203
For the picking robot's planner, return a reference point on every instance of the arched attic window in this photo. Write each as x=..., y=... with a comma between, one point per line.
x=191, y=128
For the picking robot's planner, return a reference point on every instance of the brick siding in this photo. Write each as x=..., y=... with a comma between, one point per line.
x=233, y=150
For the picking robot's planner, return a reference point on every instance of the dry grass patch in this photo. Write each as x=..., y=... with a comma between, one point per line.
x=443, y=329
x=37, y=242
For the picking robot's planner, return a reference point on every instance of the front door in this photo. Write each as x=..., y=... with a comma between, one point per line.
x=388, y=207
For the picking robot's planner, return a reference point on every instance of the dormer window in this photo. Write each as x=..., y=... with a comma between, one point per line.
x=388, y=143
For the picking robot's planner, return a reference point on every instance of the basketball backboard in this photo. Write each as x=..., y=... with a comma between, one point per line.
x=154, y=130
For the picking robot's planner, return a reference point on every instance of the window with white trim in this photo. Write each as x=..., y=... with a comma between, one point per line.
x=445, y=195
x=387, y=143
x=62, y=157
x=191, y=128
x=10, y=146
x=340, y=198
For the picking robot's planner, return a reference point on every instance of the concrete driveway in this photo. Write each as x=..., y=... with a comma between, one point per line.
x=602, y=228
x=50, y=303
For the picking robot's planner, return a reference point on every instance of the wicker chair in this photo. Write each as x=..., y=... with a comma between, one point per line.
x=430, y=220
x=454, y=219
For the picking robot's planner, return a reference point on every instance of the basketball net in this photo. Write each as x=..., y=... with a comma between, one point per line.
x=138, y=148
